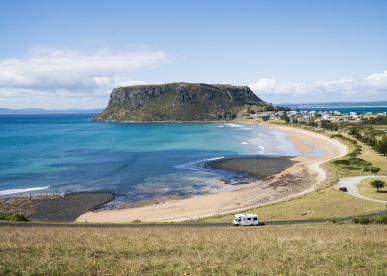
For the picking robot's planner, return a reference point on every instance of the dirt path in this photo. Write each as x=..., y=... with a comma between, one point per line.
x=351, y=184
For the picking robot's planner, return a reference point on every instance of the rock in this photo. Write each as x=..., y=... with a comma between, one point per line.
x=180, y=102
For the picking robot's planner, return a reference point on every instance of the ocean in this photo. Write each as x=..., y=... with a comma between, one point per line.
x=58, y=153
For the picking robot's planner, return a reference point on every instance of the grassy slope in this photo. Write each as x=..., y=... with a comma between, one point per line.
x=302, y=250
x=366, y=189
x=376, y=159
x=327, y=202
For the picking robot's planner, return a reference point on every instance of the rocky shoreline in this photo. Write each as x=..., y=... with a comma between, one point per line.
x=257, y=167
x=58, y=208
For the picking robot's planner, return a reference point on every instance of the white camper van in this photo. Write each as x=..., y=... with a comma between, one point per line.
x=245, y=219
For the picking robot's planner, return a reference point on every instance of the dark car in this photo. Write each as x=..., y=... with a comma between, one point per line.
x=343, y=189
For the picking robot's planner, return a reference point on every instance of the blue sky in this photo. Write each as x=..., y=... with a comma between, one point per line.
x=64, y=54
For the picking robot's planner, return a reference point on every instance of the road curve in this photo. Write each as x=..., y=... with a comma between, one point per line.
x=351, y=184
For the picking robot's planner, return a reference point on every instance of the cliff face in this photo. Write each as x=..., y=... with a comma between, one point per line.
x=179, y=102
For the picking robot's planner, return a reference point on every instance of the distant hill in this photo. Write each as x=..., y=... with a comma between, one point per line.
x=47, y=111
x=180, y=102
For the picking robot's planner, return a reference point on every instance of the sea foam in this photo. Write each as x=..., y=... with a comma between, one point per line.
x=18, y=191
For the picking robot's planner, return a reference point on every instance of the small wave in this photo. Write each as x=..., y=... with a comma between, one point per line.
x=220, y=126
x=17, y=191
x=197, y=165
x=244, y=143
x=234, y=125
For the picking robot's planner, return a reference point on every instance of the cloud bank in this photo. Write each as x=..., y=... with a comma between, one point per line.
x=372, y=87
x=61, y=78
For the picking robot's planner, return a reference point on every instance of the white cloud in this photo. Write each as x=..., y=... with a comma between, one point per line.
x=48, y=73
x=373, y=87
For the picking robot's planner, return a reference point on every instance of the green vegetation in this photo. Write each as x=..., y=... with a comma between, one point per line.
x=376, y=139
x=369, y=191
x=327, y=249
x=14, y=217
x=379, y=120
x=181, y=102
x=381, y=219
x=378, y=184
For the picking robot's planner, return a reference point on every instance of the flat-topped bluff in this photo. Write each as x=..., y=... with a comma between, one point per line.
x=180, y=102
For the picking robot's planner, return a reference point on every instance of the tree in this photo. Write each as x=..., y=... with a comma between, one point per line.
x=378, y=184
x=285, y=118
x=382, y=146
x=354, y=131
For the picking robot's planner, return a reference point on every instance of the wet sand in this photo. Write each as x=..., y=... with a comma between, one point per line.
x=303, y=176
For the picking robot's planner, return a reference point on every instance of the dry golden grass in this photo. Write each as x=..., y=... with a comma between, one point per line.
x=375, y=158
x=325, y=203
x=328, y=249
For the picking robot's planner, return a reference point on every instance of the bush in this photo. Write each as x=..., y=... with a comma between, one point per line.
x=374, y=169
x=341, y=162
x=381, y=219
x=362, y=220
x=14, y=217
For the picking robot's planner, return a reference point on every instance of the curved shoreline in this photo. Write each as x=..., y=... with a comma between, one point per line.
x=302, y=177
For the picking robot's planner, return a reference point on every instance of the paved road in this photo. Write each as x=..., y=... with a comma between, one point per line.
x=351, y=184
x=164, y=225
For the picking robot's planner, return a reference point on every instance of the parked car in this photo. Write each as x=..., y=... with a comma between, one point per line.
x=343, y=189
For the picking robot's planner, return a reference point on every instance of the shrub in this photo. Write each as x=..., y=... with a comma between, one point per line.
x=374, y=169
x=14, y=217
x=381, y=219
x=341, y=162
x=362, y=220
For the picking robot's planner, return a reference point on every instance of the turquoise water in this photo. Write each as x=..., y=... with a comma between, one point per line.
x=66, y=152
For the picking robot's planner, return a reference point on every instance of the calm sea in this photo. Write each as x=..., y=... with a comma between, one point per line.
x=66, y=152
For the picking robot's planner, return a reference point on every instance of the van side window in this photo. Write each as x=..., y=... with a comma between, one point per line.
x=254, y=218
x=248, y=218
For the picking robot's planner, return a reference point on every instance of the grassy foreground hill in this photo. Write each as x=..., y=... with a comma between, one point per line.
x=180, y=102
x=328, y=249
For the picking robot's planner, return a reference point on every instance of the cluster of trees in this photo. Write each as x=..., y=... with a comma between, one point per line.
x=379, y=120
x=326, y=124
x=369, y=138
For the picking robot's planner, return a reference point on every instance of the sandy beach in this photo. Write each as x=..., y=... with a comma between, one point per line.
x=304, y=176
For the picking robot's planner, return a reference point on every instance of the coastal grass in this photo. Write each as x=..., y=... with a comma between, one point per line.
x=322, y=204
x=326, y=249
x=375, y=158
x=367, y=190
